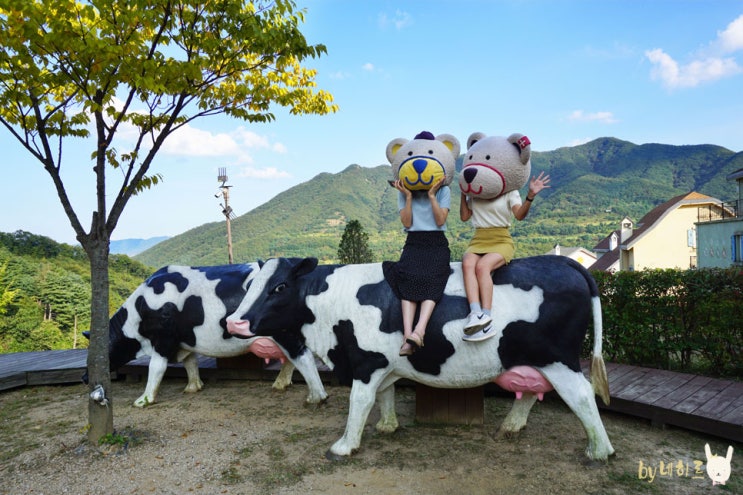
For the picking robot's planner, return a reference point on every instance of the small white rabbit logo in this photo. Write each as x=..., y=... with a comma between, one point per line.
x=718, y=467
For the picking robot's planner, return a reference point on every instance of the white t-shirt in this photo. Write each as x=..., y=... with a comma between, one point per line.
x=488, y=213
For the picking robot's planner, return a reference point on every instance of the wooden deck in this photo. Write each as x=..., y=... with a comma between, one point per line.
x=697, y=403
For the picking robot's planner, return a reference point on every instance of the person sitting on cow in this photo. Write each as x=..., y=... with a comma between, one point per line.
x=493, y=170
x=422, y=168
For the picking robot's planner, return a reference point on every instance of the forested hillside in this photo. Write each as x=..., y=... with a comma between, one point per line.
x=593, y=187
x=45, y=292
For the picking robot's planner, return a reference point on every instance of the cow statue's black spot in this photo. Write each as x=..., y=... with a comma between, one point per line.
x=126, y=348
x=437, y=348
x=168, y=327
x=350, y=362
x=161, y=277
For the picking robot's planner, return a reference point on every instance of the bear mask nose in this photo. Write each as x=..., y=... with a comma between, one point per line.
x=469, y=174
x=419, y=165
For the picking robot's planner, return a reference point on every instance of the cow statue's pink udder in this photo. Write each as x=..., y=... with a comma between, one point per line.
x=267, y=349
x=523, y=379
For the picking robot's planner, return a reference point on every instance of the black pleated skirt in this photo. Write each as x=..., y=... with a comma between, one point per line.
x=423, y=269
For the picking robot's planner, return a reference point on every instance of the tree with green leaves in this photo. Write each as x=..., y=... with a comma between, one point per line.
x=354, y=245
x=91, y=70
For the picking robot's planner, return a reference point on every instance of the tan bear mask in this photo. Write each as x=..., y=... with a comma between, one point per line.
x=420, y=163
x=495, y=165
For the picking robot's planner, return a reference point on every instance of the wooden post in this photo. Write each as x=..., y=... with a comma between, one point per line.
x=449, y=405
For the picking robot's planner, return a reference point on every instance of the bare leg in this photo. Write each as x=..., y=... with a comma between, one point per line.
x=427, y=307
x=471, y=289
x=483, y=274
x=408, y=313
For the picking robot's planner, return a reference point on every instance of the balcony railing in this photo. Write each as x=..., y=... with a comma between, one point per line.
x=726, y=210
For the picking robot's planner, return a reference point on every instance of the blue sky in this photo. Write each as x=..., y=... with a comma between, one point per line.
x=563, y=72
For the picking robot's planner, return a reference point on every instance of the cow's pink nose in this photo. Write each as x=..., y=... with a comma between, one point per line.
x=239, y=327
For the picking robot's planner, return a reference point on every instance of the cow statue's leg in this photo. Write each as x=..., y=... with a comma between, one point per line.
x=386, y=399
x=516, y=418
x=306, y=365
x=360, y=403
x=191, y=365
x=155, y=373
x=579, y=396
x=284, y=378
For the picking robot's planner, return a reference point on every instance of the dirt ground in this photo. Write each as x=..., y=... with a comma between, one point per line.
x=243, y=437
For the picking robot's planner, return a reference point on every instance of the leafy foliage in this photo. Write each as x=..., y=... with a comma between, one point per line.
x=354, y=246
x=689, y=320
x=45, y=292
x=594, y=186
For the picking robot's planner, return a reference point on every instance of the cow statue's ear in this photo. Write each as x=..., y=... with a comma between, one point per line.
x=305, y=266
x=261, y=263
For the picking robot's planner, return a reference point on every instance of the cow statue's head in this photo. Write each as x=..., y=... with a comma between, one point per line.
x=495, y=165
x=420, y=163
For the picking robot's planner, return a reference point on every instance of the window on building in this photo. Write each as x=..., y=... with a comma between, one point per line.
x=736, y=247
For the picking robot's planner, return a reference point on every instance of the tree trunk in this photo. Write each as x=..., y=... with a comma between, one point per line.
x=100, y=413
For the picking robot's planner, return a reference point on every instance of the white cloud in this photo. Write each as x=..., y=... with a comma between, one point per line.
x=731, y=40
x=263, y=173
x=707, y=66
x=399, y=20
x=696, y=72
x=238, y=144
x=369, y=67
x=601, y=117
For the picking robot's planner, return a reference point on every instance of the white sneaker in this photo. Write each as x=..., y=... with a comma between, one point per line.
x=482, y=334
x=476, y=322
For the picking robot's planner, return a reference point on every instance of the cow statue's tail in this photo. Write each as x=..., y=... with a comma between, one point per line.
x=599, y=380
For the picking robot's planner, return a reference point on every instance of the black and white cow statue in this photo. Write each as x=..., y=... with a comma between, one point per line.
x=180, y=311
x=350, y=318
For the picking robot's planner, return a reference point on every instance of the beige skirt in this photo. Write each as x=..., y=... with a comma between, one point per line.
x=492, y=240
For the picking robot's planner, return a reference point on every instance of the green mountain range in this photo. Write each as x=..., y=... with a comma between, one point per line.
x=594, y=186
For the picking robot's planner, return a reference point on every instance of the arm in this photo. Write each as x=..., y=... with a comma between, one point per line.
x=439, y=213
x=406, y=214
x=465, y=212
x=535, y=186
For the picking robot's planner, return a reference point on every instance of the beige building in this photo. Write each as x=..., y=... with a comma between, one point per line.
x=664, y=238
x=579, y=254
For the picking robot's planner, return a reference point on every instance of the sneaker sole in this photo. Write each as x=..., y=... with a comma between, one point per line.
x=479, y=338
x=473, y=330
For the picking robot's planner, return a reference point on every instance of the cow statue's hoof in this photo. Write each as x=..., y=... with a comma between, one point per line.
x=144, y=401
x=193, y=387
x=331, y=456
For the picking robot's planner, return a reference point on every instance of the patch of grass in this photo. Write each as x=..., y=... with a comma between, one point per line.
x=632, y=483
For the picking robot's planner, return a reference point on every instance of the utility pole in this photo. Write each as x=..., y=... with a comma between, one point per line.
x=226, y=208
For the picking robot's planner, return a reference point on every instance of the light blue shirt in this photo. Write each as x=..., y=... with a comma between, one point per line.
x=423, y=219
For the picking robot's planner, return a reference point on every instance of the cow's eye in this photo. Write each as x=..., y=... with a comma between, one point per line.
x=487, y=157
x=279, y=288
x=410, y=153
x=430, y=152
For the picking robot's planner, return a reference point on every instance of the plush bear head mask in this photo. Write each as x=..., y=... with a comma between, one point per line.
x=420, y=163
x=495, y=165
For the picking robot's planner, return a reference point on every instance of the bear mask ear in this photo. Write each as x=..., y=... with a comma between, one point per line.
x=523, y=144
x=450, y=142
x=474, y=137
x=394, y=147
